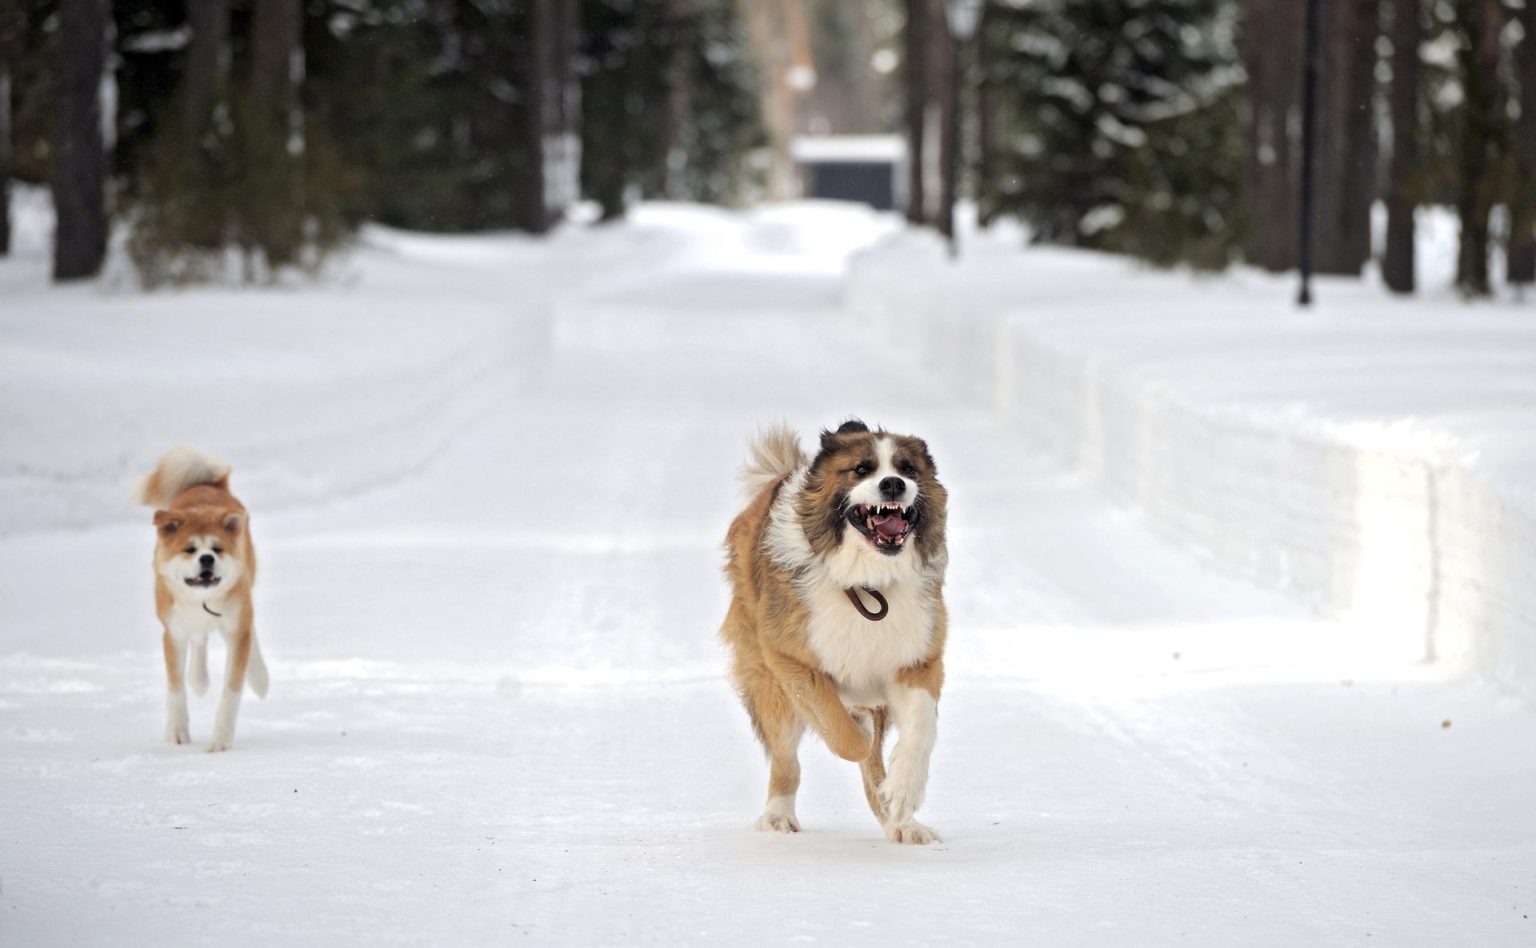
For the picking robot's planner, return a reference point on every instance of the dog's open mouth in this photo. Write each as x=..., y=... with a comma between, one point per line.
x=203, y=581
x=886, y=526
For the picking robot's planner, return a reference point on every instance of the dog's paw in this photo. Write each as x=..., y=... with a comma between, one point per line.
x=901, y=792
x=910, y=833
x=219, y=744
x=178, y=734
x=771, y=822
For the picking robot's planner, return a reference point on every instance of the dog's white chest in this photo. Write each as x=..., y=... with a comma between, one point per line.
x=864, y=656
x=191, y=621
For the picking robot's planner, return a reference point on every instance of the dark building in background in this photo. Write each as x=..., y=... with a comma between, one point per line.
x=866, y=169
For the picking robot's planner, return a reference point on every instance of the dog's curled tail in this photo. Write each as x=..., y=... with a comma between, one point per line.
x=180, y=469
x=775, y=453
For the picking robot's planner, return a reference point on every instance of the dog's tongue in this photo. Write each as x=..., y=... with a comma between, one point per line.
x=892, y=526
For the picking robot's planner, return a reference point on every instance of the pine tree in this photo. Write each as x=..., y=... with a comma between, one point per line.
x=669, y=108
x=1119, y=125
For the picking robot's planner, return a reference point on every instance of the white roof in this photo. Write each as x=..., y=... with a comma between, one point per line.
x=849, y=148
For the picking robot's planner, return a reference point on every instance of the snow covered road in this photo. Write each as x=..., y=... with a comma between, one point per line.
x=498, y=709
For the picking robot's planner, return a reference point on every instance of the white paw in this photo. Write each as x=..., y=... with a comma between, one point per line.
x=178, y=733
x=901, y=792
x=777, y=823
x=219, y=744
x=910, y=833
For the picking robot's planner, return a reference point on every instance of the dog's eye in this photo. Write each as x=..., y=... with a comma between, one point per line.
x=190, y=550
x=907, y=468
x=217, y=549
x=862, y=470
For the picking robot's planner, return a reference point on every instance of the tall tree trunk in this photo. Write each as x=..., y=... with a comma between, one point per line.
x=1346, y=158
x=679, y=95
x=11, y=26
x=274, y=44
x=947, y=83
x=79, y=153
x=565, y=106
x=1272, y=54
x=1482, y=21
x=5, y=157
x=917, y=70
x=1398, y=264
x=986, y=164
x=1522, y=237
x=532, y=210
x=207, y=59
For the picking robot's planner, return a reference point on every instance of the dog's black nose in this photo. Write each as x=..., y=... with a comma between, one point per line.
x=206, y=561
x=892, y=488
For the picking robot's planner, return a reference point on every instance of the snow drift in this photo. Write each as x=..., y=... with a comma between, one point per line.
x=1372, y=455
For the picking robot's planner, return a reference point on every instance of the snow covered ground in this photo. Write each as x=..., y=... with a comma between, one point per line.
x=498, y=709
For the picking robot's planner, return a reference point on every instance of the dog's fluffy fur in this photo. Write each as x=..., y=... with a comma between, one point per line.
x=204, y=568
x=867, y=512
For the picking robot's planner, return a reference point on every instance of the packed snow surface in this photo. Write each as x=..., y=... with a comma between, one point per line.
x=489, y=481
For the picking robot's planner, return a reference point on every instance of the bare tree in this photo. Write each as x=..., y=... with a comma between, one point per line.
x=1522, y=237
x=1398, y=264
x=79, y=152
x=207, y=58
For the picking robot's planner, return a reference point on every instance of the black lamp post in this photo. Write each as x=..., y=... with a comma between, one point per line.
x=964, y=16
x=1309, y=151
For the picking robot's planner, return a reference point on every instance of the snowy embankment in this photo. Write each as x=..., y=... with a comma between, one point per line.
x=1373, y=455
x=320, y=390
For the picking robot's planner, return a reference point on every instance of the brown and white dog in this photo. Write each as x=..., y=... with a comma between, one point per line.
x=837, y=618
x=204, y=568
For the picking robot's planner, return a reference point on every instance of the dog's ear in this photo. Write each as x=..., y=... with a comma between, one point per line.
x=233, y=523
x=851, y=426
x=167, y=522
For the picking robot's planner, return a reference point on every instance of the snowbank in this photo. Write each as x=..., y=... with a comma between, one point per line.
x=320, y=391
x=312, y=391
x=1375, y=456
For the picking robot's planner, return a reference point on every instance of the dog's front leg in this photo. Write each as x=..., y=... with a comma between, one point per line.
x=177, y=726
x=815, y=698
x=239, y=655
x=916, y=715
x=197, y=666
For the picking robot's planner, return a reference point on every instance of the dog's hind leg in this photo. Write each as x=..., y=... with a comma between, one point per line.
x=177, y=727
x=780, y=729
x=872, y=768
